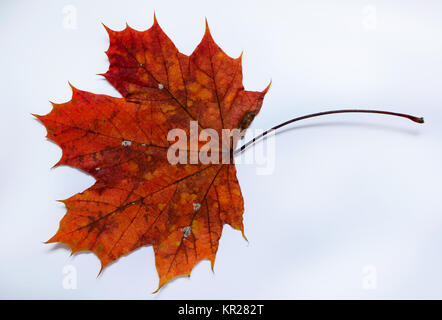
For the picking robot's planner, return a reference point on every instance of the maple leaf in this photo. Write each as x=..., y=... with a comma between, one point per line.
x=139, y=197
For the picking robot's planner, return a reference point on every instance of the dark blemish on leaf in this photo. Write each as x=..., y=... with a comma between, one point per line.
x=246, y=120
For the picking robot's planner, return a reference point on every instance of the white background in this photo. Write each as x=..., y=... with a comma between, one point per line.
x=347, y=192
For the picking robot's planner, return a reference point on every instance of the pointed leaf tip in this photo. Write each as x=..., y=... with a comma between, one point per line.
x=72, y=86
x=207, y=29
x=268, y=87
x=158, y=289
x=101, y=270
x=244, y=235
x=108, y=30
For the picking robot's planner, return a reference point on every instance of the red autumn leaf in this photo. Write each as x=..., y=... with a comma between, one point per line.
x=139, y=197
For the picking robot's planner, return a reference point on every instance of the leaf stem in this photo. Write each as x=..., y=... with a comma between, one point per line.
x=407, y=116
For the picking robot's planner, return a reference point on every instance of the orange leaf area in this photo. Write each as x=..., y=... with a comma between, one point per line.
x=139, y=197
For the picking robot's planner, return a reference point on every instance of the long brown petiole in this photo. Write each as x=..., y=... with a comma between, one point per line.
x=412, y=118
